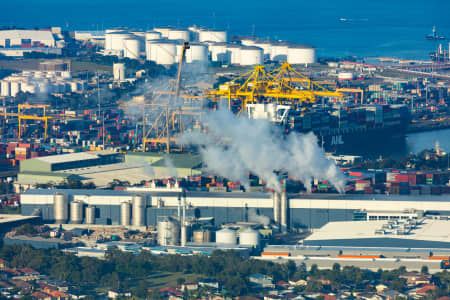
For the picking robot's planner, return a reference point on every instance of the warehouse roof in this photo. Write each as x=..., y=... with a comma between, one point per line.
x=26, y=34
x=426, y=230
x=180, y=161
x=6, y=218
x=63, y=158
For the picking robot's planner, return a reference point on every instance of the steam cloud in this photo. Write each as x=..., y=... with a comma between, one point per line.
x=254, y=217
x=235, y=146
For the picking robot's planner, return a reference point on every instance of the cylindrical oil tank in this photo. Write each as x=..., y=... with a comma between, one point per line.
x=5, y=88
x=125, y=213
x=152, y=35
x=218, y=52
x=132, y=48
x=226, y=236
x=138, y=215
x=117, y=39
x=218, y=36
x=164, y=31
x=235, y=53
x=15, y=88
x=108, y=40
x=279, y=51
x=60, y=208
x=248, y=41
x=168, y=232
x=276, y=207
x=197, y=53
x=179, y=34
x=164, y=52
x=90, y=214
x=119, y=72
x=249, y=237
x=251, y=56
x=267, y=48
x=301, y=54
x=76, y=212
x=201, y=236
x=345, y=76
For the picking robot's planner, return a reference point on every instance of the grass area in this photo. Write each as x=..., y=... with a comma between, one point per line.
x=79, y=66
x=19, y=65
x=159, y=280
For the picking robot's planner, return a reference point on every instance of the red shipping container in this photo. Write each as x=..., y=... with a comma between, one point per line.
x=355, y=174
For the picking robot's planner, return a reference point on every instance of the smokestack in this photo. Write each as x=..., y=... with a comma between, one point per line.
x=284, y=211
x=183, y=235
x=276, y=207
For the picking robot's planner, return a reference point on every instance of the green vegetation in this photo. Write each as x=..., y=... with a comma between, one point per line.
x=424, y=161
x=9, y=210
x=138, y=273
x=71, y=183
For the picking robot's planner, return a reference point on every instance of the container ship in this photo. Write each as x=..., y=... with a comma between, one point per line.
x=339, y=128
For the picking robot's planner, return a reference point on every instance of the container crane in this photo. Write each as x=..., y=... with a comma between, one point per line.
x=284, y=85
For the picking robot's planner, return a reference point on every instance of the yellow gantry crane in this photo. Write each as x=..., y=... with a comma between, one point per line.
x=284, y=85
x=21, y=116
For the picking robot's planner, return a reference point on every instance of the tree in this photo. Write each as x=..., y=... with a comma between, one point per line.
x=424, y=270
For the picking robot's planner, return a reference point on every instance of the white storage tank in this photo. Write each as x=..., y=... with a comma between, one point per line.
x=179, y=34
x=219, y=52
x=125, y=213
x=139, y=206
x=218, y=36
x=118, y=38
x=163, y=52
x=248, y=41
x=197, y=53
x=76, y=212
x=152, y=35
x=168, y=232
x=90, y=214
x=249, y=237
x=66, y=74
x=119, y=72
x=345, y=76
x=279, y=51
x=301, y=54
x=201, y=236
x=251, y=56
x=60, y=208
x=235, y=53
x=226, y=236
x=132, y=48
x=164, y=31
x=5, y=88
x=267, y=48
x=15, y=88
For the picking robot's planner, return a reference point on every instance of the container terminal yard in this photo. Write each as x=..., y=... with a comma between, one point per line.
x=104, y=123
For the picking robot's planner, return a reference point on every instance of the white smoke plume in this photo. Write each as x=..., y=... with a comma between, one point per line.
x=170, y=168
x=260, y=219
x=235, y=146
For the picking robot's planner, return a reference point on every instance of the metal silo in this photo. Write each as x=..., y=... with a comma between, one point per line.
x=60, y=208
x=125, y=213
x=226, y=236
x=90, y=215
x=168, y=231
x=138, y=215
x=201, y=236
x=5, y=88
x=235, y=53
x=249, y=237
x=284, y=211
x=76, y=212
x=279, y=52
x=163, y=52
x=179, y=34
x=218, y=36
x=152, y=35
x=119, y=71
x=219, y=52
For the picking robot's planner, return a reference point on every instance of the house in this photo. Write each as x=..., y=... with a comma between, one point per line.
x=381, y=288
x=114, y=294
x=29, y=271
x=414, y=279
x=392, y=294
x=272, y=297
x=41, y=296
x=421, y=292
x=369, y=296
x=246, y=298
x=261, y=280
x=169, y=291
x=189, y=286
x=300, y=282
x=57, y=295
x=211, y=283
x=2, y=264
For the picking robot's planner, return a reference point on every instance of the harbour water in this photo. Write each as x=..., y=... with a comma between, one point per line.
x=343, y=28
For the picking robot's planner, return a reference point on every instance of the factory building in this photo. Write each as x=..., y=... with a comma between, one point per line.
x=16, y=42
x=102, y=167
x=290, y=211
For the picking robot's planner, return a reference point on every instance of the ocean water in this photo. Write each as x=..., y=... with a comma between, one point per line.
x=394, y=28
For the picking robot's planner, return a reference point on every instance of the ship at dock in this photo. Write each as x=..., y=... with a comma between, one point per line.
x=339, y=128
